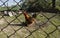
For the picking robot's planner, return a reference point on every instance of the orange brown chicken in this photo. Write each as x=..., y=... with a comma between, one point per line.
x=28, y=18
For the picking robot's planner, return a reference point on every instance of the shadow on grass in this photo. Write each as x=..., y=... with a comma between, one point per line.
x=22, y=24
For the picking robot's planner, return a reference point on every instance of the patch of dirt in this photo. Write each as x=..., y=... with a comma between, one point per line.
x=2, y=21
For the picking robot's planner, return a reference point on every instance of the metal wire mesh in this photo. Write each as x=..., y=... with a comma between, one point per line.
x=11, y=26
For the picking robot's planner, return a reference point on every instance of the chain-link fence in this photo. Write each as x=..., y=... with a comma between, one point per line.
x=12, y=23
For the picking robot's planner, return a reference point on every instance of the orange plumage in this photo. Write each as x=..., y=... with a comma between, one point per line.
x=28, y=18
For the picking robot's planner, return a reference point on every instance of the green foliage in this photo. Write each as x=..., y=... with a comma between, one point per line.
x=3, y=8
x=41, y=3
x=32, y=3
x=15, y=8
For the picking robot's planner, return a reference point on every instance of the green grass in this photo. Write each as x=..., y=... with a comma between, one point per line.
x=37, y=34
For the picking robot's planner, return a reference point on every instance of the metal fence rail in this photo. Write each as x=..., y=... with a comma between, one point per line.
x=47, y=25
